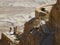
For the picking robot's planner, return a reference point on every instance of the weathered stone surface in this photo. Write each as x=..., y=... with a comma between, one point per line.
x=55, y=20
x=34, y=31
x=17, y=12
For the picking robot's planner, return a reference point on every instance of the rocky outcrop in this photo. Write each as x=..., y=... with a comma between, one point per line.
x=55, y=20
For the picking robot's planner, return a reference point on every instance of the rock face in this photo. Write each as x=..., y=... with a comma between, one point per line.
x=17, y=12
x=12, y=11
x=55, y=20
x=36, y=31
